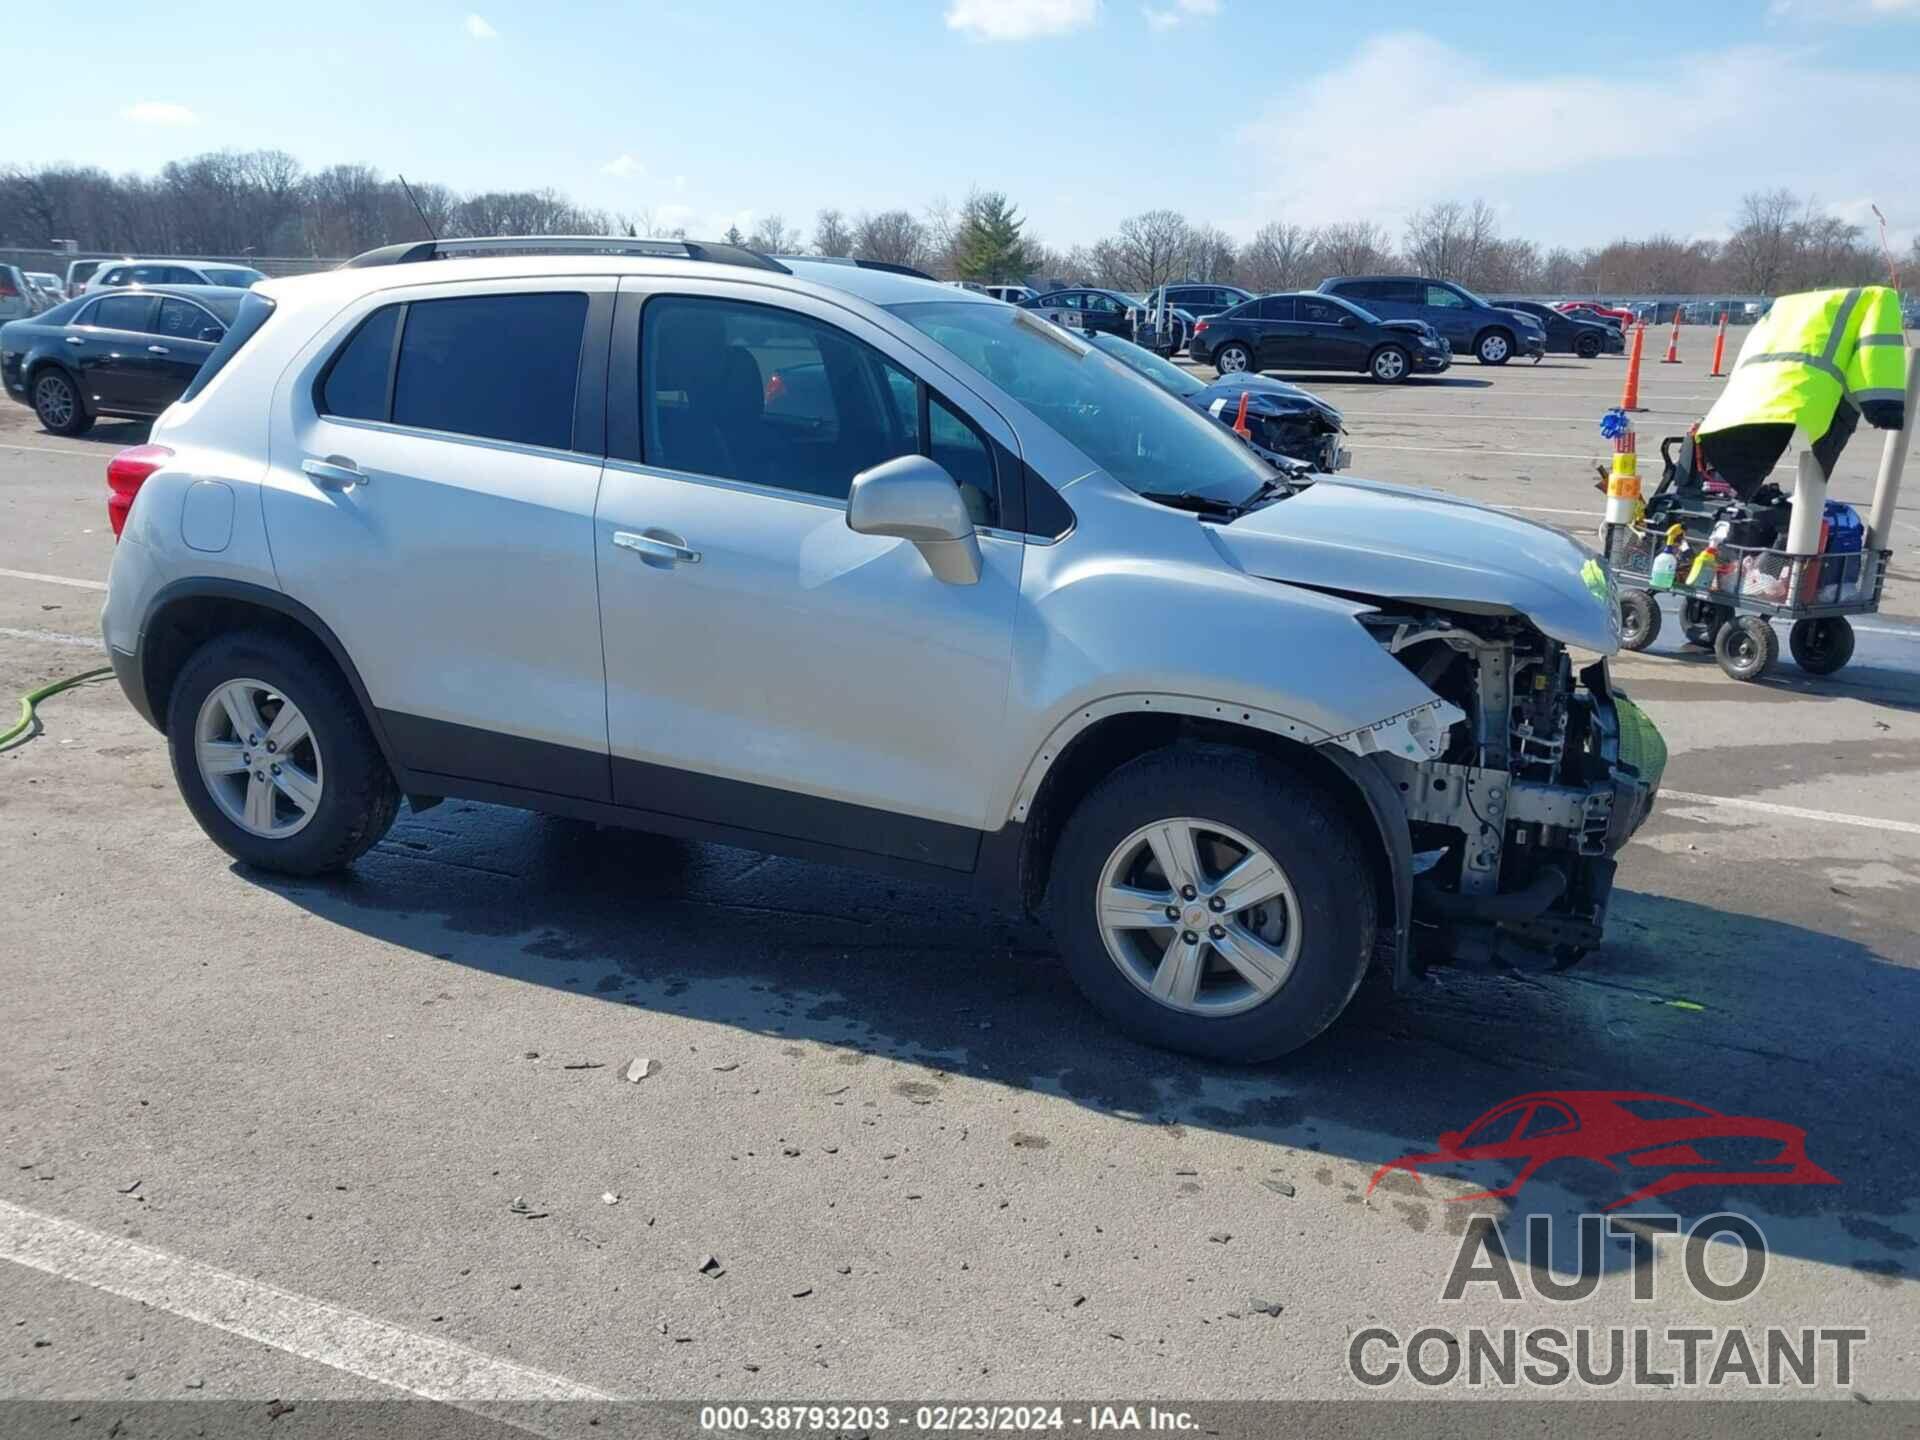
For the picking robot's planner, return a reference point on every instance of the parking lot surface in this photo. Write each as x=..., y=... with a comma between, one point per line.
x=919, y=1164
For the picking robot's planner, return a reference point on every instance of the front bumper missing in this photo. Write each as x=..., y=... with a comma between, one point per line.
x=1552, y=846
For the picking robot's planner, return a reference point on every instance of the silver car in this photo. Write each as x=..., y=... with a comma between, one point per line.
x=840, y=563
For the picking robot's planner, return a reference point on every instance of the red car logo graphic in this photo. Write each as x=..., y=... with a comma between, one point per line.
x=1674, y=1143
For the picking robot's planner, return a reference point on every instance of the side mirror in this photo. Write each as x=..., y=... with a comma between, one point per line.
x=1347, y=322
x=914, y=498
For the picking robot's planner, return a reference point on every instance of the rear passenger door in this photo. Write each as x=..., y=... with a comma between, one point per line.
x=768, y=669
x=1279, y=344
x=434, y=462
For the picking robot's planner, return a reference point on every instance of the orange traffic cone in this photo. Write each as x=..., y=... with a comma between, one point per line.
x=1672, y=357
x=1719, y=350
x=1630, y=396
x=1240, y=426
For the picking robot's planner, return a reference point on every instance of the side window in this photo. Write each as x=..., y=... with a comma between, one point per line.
x=1319, y=312
x=1068, y=300
x=500, y=367
x=183, y=320
x=150, y=274
x=1441, y=296
x=355, y=384
x=1103, y=304
x=967, y=457
x=123, y=312
x=115, y=276
x=179, y=275
x=766, y=396
x=1275, y=307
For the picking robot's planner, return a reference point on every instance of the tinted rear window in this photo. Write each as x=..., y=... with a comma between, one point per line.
x=122, y=312
x=356, y=383
x=502, y=367
x=253, y=311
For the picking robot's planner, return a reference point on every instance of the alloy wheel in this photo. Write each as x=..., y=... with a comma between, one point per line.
x=53, y=401
x=1390, y=365
x=1199, y=916
x=1233, y=360
x=258, y=759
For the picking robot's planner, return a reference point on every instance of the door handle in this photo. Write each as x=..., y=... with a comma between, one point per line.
x=336, y=472
x=75, y=340
x=652, y=547
x=158, y=350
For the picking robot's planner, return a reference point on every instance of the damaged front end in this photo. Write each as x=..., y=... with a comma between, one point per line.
x=1515, y=819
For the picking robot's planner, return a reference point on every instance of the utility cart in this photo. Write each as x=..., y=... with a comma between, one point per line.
x=1729, y=603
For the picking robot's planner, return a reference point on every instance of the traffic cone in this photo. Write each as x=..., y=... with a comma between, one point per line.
x=1240, y=426
x=1719, y=349
x=1672, y=356
x=1630, y=396
x=1623, y=483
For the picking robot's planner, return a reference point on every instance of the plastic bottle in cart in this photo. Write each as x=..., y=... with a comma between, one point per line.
x=1667, y=562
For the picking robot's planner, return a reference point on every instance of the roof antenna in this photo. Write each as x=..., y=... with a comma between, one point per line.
x=416, y=207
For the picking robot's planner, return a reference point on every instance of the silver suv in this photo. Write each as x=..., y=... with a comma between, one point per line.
x=841, y=563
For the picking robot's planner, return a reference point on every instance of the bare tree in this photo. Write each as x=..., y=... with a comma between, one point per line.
x=893, y=236
x=773, y=236
x=1210, y=253
x=1279, y=257
x=1352, y=247
x=1761, y=249
x=831, y=234
x=1151, y=248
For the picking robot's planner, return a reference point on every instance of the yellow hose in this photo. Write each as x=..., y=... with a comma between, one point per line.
x=23, y=731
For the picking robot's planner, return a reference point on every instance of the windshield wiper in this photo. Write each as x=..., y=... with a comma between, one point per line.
x=1190, y=500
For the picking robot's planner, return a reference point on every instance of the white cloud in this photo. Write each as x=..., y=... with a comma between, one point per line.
x=160, y=112
x=1180, y=10
x=479, y=29
x=1330, y=150
x=623, y=167
x=1020, y=19
x=1850, y=11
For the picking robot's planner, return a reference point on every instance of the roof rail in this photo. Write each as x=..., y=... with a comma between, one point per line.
x=887, y=265
x=414, y=250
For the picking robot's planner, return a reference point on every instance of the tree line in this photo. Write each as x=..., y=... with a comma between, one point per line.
x=264, y=202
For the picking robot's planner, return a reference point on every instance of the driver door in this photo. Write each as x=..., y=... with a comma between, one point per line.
x=768, y=669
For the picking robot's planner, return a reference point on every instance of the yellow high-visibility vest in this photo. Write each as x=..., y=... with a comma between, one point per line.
x=1811, y=352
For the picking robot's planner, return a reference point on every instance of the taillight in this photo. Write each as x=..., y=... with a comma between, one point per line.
x=1199, y=325
x=126, y=473
x=7, y=292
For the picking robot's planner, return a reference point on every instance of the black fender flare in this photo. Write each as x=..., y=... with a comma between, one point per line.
x=1396, y=839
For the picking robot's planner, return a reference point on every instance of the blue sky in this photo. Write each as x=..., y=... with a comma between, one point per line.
x=1579, y=123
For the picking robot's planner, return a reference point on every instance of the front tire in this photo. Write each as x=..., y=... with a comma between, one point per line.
x=1272, y=909
x=1639, y=619
x=274, y=757
x=1494, y=348
x=1390, y=365
x=1587, y=347
x=57, y=403
x=1747, y=647
x=1233, y=358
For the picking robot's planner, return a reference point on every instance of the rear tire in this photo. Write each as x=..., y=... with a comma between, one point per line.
x=1314, y=934
x=1820, y=647
x=1390, y=365
x=1747, y=647
x=58, y=404
x=1639, y=620
x=1233, y=358
x=333, y=797
x=1704, y=622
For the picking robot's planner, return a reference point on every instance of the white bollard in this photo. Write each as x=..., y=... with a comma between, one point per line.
x=1809, y=507
x=1893, y=459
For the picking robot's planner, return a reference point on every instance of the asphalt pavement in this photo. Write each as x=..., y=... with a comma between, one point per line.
x=372, y=1136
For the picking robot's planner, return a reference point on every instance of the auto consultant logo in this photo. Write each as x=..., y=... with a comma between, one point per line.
x=1652, y=1144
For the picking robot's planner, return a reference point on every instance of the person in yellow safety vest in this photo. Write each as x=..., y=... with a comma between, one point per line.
x=1816, y=362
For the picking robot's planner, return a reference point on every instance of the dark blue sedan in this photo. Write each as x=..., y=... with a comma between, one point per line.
x=126, y=353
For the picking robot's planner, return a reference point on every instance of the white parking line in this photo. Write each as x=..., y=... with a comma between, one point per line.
x=56, y=450
x=1598, y=451
x=54, y=579
x=51, y=637
x=1794, y=812
x=296, y=1324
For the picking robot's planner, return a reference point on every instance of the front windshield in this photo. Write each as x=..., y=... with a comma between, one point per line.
x=1471, y=297
x=1164, y=373
x=1358, y=309
x=1131, y=428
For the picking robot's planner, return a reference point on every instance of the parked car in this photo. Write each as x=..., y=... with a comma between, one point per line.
x=17, y=295
x=1569, y=334
x=408, y=536
x=1200, y=300
x=1012, y=294
x=1594, y=309
x=1317, y=332
x=127, y=353
x=174, y=272
x=47, y=288
x=1112, y=312
x=1290, y=427
x=79, y=272
x=1468, y=323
